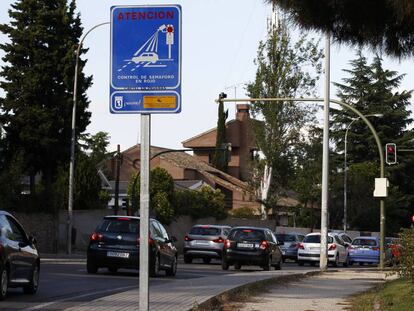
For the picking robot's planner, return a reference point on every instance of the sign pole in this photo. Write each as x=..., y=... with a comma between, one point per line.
x=144, y=213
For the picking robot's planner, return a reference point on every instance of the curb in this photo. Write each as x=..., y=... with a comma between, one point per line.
x=215, y=302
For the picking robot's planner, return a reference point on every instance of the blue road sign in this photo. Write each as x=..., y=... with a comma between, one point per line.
x=145, y=59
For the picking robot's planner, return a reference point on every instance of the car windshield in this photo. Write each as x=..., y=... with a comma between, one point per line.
x=247, y=235
x=205, y=231
x=120, y=225
x=364, y=242
x=315, y=239
x=285, y=237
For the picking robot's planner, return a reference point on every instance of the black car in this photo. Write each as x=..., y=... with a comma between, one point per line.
x=251, y=246
x=115, y=245
x=19, y=259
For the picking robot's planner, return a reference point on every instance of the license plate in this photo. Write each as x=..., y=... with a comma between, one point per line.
x=118, y=255
x=245, y=245
x=202, y=242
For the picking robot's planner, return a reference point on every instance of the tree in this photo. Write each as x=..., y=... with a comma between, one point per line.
x=284, y=69
x=380, y=24
x=371, y=89
x=219, y=159
x=37, y=79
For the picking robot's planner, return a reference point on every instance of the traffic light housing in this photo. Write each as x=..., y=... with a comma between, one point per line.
x=391, y=153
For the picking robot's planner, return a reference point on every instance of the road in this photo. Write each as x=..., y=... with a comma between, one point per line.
x=65, y=284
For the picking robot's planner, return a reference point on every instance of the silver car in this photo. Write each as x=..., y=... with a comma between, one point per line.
x=205, y=242
x=290, y=244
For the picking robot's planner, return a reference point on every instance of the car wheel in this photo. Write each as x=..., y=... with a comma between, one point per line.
x=300, y=263
x=361, y=263
x=206, y=260
x=173, y=269
x=350, y=263
x=188, y=259
x=112, y=269
x=91, y=266
x=31, y=289
x=278, y=266
x=237, y=266
x=155, y=266
x=4, y=283
x=267, y=264
x=336, y=262
x=346, y=262
x=313, y=263
x=224, y=264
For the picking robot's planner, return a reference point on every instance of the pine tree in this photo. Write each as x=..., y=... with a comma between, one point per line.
x=371, y=89
x=219, y=159
x=38, y=82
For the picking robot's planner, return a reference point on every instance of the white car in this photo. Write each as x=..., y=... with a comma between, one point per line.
x=309, y=250
x=146, y=57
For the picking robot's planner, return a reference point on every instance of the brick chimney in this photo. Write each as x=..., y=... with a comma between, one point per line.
x=242, y=112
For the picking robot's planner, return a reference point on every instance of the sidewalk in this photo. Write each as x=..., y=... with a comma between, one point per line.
x=326, y=292
x=181, y=295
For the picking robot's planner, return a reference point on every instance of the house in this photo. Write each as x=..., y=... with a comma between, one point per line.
x=239, y=134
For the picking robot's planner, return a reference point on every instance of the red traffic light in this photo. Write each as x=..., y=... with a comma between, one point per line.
x=412, y=218
x=391, y=153
x=390, y=149
x=170, y=28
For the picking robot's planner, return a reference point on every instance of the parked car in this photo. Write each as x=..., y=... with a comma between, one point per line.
x=19, y=258
x=290, y=245
x=345, y=237
x=251, y=246
x=309, y=250
x=366, y=249
x=115, y=244
x=205, y=242
x=394, y=244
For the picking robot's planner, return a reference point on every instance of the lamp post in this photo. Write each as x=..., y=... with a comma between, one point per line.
x=73, y=143
x=377, y=115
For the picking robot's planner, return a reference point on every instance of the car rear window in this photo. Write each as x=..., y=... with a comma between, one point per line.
x=315, y=239
x=285, y=237
x=205, y=231
x=364, y=242
x=247, y=235
x=120, y=225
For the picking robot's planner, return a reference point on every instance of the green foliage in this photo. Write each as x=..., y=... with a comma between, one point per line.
x=406, y=265
x=385, y=25
x=200, y=204
x=371, y=89
x=284, y=69
x=162, y=207
x=243, y=212
x=219, y=158
x=37, y=79
x=97, y=146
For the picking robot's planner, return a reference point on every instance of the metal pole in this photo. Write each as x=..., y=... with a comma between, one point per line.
x=323, y=259
x=144, y=212
x=118, y=169
x=345, y=175
x=73, y=144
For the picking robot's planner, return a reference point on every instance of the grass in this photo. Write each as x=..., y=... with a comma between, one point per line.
x=397, y=295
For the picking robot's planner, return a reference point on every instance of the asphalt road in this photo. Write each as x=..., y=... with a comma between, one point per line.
x=65, y=284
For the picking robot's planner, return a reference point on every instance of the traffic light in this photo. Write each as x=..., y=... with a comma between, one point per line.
x=391, y=153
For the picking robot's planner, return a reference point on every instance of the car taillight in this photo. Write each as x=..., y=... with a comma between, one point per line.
x=301, y=246
x=187, y=238
x=227, y=244
x=96, y=237
x=219, y=240
x=264, y=245
x=332, y=247
x=375, y=248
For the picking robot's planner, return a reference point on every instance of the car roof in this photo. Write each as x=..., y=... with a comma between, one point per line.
x=331, y=234
x=212, y=226
x=5, y=213
x=123, y=216
x=250, y=228
x=366, y=237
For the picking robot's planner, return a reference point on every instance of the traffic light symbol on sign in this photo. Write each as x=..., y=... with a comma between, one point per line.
x=391, y=153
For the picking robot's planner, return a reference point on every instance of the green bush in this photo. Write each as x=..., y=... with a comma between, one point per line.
x=406, y=265
x=243, y=212
x=163, y=208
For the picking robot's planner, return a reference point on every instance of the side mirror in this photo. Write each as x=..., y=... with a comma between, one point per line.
x=32, y=240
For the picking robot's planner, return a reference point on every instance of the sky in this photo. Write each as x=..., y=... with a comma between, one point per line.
x=219, y=43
